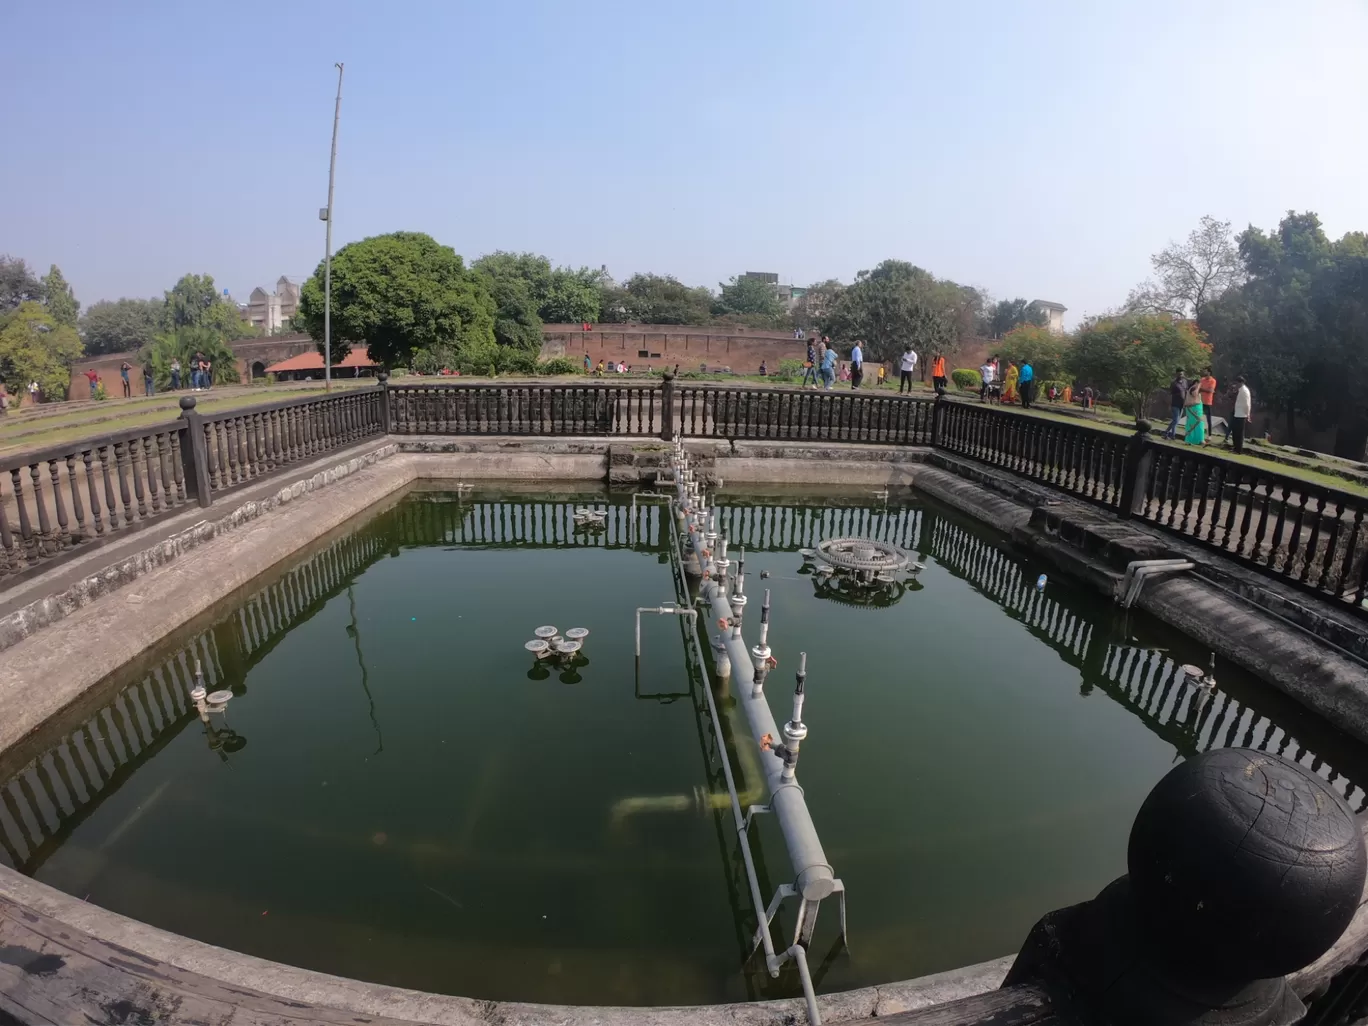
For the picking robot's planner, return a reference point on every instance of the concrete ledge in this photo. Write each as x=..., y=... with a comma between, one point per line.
x=316, y=993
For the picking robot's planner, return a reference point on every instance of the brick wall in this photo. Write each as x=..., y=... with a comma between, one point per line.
x=671, y=345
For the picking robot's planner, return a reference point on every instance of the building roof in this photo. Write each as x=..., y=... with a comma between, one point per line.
x=1048, y=304
x=313, y=360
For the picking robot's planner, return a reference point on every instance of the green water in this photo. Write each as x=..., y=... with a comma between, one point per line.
x=399, y=793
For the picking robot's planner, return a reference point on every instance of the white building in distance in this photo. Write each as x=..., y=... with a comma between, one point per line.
x=1054, y=314
x=269, y=312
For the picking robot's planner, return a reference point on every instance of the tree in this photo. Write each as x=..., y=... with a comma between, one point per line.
x=34, y=347
x=194, y=302
x=1133, y=356
x=894, y=305
x=121, y=326
x=17, y=284
x=658, y=299
x=1297, y=328
x=1189, y=275
x=561, y=295
x=516, y=323
x=815, y=303
x=61, y=302
x=1006, y=314
x=397, y=293
x=1045, y=350
x=749, y=297
x=182, y=344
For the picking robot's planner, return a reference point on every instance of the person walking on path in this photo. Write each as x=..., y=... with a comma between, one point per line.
x=828, y=368
x=175, y=373
x=1177, y=399
x=810, y=367
x=1240, y=419
x=124, y=368
x=94, y=380
x=1208, y=392
x=1194, y=427
x=938, y=373
x=1026, y=381
x=906, y=366
x=856, y=365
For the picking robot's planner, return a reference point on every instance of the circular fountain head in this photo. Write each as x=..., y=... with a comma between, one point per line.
x=807, y=553
x=197, y=694
x=568, y=647
x=545, y=632
x=861, y=554
x=1193, y=671
x=219, y=697
x=582, y=511
x=537, y=646
x=577, y=633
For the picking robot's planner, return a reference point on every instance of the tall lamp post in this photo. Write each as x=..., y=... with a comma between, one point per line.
x=326, y=215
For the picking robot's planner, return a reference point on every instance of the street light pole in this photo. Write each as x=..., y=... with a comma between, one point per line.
x=327, y=259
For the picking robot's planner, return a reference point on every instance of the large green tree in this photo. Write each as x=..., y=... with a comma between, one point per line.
x=17, y=284
x=1133, y=356
x=657, y=299
x=1295, y=327
x=516, y=323
x=34, y=347
x=398, y=293
x=750, y=298
x=895, y=305
x=815, y=302
x=1043, y=349
x=195, y=302
x=61, y=301
x=121, y=326
x=561, y=295
x=1006, y=314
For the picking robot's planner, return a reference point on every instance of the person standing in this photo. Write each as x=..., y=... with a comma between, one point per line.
x=809, y=367
x=828, y=367
x=856, y=365
x=985, y=379
x=1240, y=419
x=882, y=376
x=124, y=368
x=148, y=387
x=34, y=391
x=1194, y=424
x=94, y=379
x=175, y=373
x=938, y=373
x=1009, y=383
x=207, y=373
x=1207, y=388
x=906, y=366
x=588, y=364
x=1026, y=382
x=1177, y=398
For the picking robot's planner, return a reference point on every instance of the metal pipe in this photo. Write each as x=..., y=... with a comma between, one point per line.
x=799, y=954
x=1137, y=572
x=814, y=878
x=692, y=614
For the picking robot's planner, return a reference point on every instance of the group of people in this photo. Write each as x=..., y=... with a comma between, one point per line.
x=1191, y=402
x=613, y=367
x=1015, y=383
x=822, y=364
x=201, y=376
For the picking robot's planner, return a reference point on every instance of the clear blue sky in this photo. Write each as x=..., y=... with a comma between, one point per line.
x=1037, y=149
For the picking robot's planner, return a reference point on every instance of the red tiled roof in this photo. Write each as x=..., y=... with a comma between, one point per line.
x=313, y=360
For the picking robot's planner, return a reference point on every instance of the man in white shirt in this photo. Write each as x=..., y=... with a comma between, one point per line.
x=856, y=365
x=986, y=373
x=1243, y=403
x=906, y=366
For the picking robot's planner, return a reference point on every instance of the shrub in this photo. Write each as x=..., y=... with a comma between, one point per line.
x=100, y=393
x=558, y=365
x=963, y=377
x=789, y=370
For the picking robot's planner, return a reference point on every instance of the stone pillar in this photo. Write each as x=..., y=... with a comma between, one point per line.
x=1135, y=468
x=1243, y=867
x=195, y=453
x=383, y=378
x=667, y=406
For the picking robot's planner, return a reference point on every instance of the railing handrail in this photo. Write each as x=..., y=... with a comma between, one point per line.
x=285, y=404
x=61, y=451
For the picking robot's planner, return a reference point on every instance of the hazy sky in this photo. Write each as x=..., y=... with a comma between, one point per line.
x=1038, y=149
